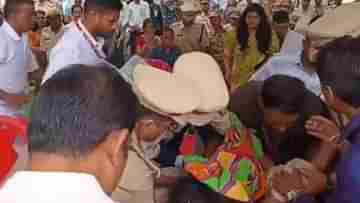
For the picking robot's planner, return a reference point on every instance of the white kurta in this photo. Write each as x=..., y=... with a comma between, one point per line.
x=15, y=64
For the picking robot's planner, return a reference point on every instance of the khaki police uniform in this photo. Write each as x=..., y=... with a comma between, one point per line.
x=216, y=48
x=138, y=180
x=192, y=38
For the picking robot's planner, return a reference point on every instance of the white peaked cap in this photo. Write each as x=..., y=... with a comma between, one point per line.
x=196, y=85
x=344, y=20
x=164, y=92
x=207, y=76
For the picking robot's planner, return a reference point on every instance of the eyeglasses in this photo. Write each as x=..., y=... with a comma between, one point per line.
x=162, y=123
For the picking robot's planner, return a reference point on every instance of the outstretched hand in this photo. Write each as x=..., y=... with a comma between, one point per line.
x=323, y=129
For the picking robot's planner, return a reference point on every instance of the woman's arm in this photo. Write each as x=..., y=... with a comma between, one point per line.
x=228, y=61
x=230, y=43
x=329, y=145
x=275, y=44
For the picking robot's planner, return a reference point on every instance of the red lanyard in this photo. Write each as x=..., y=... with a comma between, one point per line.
x=92, y=45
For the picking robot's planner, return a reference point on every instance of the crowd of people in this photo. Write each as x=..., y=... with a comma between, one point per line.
x=187, y=101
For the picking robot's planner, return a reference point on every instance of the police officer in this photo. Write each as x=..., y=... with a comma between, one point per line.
x=190, y=36
x=216, y=48
x=204, y=18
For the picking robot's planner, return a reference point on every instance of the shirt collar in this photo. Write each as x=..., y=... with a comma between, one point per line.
x=10, y=31
x=87, y=33
x=80, y=182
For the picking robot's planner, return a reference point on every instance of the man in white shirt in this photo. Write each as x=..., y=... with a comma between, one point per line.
x=15, y=56
x=139, y=10
x=80, y=42
x=78, y=150
x=302, y=66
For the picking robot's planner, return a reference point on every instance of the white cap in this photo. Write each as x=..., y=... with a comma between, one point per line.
x=344, y=20
x=204, y=71
x=164, y=92
x=196, y=85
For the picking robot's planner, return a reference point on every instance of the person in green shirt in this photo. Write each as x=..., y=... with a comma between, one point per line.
x=247, y=48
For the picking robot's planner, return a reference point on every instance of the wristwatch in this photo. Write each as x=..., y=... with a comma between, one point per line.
x=290, y=196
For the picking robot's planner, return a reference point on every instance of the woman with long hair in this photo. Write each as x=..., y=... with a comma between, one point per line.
x=247, y=48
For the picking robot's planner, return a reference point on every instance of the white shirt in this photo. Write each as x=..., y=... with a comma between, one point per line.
x=16, y=61
x=74, y=48
x=124, y=15
x=293, y=43
x=292, y=66
x=52, y=187
x=138, y=13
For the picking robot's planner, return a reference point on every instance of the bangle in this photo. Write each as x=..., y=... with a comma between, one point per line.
x=293, y=194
